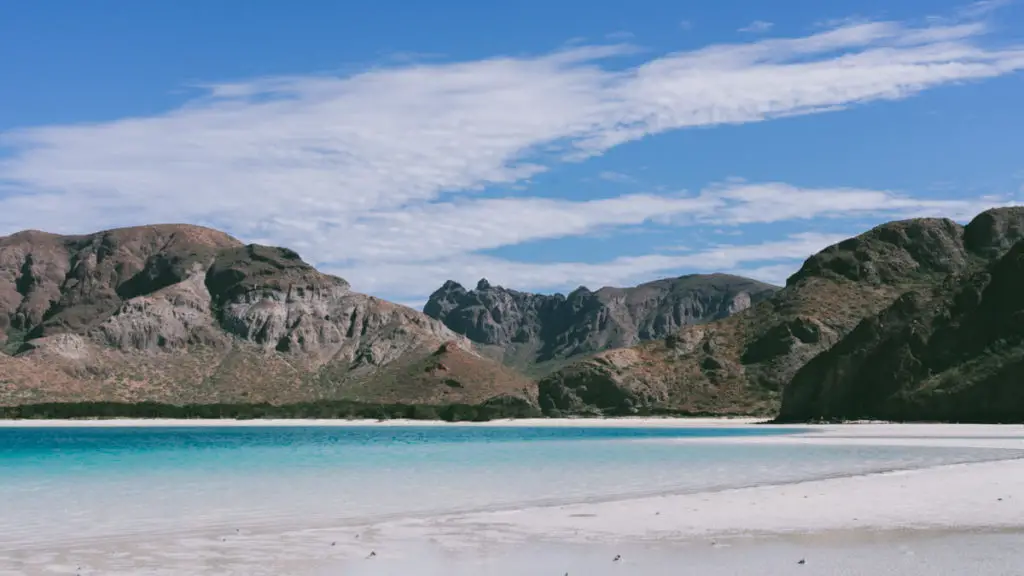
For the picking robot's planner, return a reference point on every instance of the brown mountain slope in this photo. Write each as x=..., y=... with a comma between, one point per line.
x=741, y=364
x=183, y=314
x=953, y=353
x=50, y=284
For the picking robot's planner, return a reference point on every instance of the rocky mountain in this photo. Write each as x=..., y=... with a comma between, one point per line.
x=741, y=364
x=527, y=330
x=183, y=314
x=915, y=319
x=953, y=351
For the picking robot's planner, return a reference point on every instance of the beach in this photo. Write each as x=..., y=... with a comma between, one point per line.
x=947, y=519
x=293, y=422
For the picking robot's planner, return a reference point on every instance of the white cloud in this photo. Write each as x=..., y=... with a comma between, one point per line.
x=612, y=176
x=438, y=230
x=757, y=26
x=685, y=25
x=419, y=250
x=744, y=203
x=422, y=278
x=983, y=8
x=305, y=147
x=441, y=230
x=376, y=172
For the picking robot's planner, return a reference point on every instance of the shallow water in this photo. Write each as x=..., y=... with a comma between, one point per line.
x=80, y=484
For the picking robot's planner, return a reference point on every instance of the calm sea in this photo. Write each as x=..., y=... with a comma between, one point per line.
x=77, y=484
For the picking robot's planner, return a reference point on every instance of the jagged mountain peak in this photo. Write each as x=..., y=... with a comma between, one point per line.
x=553, y=326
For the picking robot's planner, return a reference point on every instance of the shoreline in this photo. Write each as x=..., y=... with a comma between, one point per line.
x=624, y=422
x=859, y=432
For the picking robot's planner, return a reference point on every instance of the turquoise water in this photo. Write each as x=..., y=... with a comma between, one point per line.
x=63, y=450
x=81, y=483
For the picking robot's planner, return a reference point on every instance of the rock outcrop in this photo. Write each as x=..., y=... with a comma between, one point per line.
x=536, y=329
x=742, y=363
x=183, y=314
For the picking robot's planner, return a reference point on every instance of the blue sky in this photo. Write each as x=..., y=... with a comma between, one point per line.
x=543, y=145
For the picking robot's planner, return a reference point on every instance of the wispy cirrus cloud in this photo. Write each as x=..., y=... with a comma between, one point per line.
x=613, y=176
x=440, y=230
x=752, y=203
x=983, y=8
x=411, y=251
x=351, y=170
x=616, y=272
x=757, y=27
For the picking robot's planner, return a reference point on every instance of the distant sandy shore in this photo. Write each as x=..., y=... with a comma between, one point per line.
x=937, y=434
x=523, y=422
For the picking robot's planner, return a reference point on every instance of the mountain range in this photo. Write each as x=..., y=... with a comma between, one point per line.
x=538, y=331
x=914, y=319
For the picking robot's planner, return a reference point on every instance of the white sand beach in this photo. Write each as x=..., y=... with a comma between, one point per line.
x=954, y=519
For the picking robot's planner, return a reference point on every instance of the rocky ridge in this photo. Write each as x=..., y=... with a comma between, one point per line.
x=529, y=329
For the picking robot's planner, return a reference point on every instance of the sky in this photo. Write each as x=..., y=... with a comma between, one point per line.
x=543, y=145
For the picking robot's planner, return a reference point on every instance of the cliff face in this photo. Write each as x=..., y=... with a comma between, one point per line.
x=183, y=314
x=742, y=364
x=541, y=328
x=953, y=351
